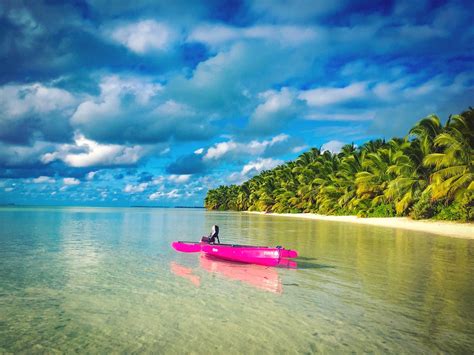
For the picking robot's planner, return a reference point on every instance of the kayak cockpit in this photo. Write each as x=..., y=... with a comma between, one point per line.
x=213, y=237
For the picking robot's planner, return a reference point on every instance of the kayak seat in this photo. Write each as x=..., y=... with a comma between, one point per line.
x=214, y=234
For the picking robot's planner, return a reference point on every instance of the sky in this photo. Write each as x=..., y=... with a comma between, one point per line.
x=117, y=103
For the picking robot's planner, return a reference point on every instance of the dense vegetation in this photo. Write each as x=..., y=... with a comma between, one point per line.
x=427, y=174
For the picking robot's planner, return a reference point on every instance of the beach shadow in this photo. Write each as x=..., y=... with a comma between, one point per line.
x=306, y=258
x=307, y=265
x=305, y=262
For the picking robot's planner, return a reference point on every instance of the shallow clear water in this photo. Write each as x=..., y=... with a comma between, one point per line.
x=106, y=279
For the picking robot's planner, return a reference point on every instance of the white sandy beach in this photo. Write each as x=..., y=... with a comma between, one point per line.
x=446, y=228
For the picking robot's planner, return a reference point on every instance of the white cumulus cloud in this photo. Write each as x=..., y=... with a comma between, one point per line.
x=43, y=179
x=253, y=168
x=133, y=189
x=90, y=175
x=92, y=153
x=220, y=149
x=17, y=100
x=333, y=146
x=143, y=36
x=276, y=109
x=112, y=89
x=71, y=181
x=35, y=111
x=179, y=179
x=173, y=194
x=330, y=95
x=230, y=148
x=218, y=34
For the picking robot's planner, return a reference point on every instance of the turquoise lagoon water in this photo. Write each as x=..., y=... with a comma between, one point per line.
x=100, y=280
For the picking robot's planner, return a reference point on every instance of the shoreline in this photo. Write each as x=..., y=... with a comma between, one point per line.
x=444, y=228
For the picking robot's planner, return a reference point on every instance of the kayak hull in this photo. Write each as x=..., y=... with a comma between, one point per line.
x=249, y=254
x=245, y=254
x=187, y=247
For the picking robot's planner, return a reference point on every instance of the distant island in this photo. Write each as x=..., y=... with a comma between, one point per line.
x=428, y=174
x=144, y=206
x=201, y=207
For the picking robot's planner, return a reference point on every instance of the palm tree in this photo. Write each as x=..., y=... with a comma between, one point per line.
x=409, y=179
x=373, y=181
x=454, y=165
x=327, y=166
x=351, y=164
x=431, y=162
x=243, y=196
x=425, y=132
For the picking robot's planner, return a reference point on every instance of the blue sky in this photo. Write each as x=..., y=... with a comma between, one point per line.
x=154, y=102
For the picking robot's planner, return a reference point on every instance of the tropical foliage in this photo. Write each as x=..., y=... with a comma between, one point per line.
x=427, y=174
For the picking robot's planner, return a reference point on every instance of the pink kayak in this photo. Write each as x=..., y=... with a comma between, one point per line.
x=267, y=256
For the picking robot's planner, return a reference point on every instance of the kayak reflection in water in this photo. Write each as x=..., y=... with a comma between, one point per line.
x=185, y=273
x=211, y=239
x=256, y=276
